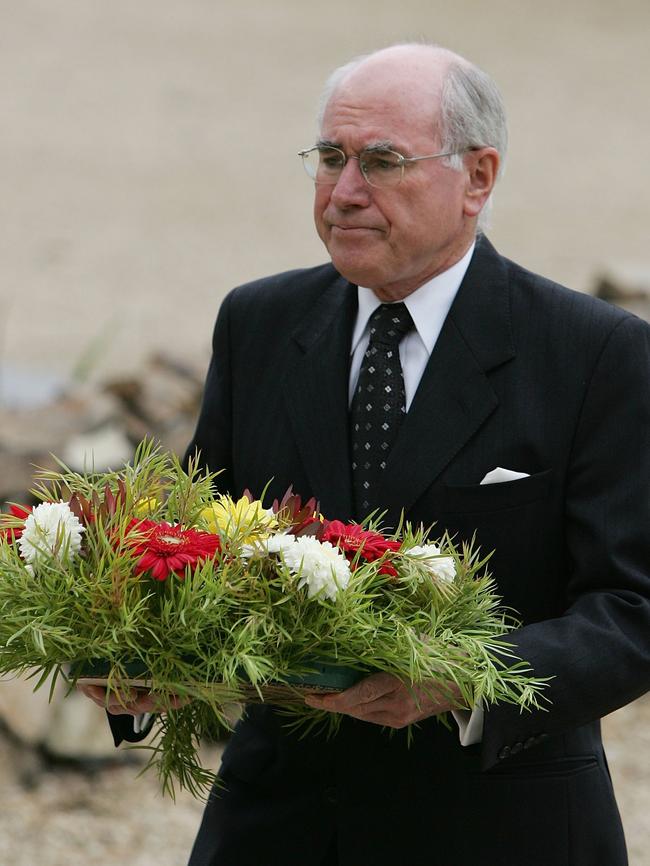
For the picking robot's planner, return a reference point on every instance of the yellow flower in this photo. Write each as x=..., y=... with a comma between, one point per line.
x=145, y=507
x=245, y=519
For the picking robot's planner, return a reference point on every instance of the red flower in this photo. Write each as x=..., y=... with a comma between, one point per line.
x=13, y=533
x=350, y=538
x=165, y=548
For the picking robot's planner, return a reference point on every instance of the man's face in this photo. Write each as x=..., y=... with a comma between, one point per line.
x=390, y=240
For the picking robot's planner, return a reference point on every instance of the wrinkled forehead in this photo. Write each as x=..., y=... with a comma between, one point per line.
x=359, y=120
x=391, y=100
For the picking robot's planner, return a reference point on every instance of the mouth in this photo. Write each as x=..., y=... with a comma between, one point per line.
x=353, y=231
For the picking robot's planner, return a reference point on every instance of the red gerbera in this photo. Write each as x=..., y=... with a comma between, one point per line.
x=350, y=538
x=165, y=548
x=13, y=533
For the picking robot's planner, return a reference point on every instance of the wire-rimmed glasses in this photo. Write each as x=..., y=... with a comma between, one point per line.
x=380, y=166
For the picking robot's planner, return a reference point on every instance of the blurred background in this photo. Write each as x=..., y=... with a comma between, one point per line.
x=135, y=193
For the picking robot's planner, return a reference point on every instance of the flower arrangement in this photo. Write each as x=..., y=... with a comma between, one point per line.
x=152, y=573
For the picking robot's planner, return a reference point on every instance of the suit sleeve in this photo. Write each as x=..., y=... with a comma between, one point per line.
x=123, y=729
x=599, y=651
x=212, y=439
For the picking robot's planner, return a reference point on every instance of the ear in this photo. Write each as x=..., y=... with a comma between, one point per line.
x=481, y=166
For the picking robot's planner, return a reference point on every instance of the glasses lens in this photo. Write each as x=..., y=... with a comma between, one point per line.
x=324, y=164
x=382, y=167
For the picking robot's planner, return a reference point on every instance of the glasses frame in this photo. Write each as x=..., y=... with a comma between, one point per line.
x=403, y=161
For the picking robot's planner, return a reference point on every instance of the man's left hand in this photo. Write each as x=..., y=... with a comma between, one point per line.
x=385, y=700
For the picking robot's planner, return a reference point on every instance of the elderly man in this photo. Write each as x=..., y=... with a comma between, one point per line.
x=488, y=366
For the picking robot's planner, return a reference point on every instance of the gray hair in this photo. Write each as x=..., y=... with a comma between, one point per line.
x=472, y=113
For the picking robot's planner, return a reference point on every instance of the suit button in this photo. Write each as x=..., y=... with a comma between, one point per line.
x=516, y=748
x=504, y=753
x=531, y=741
x=329, y=795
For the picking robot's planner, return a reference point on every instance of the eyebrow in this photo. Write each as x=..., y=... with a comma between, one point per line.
x=387, y=144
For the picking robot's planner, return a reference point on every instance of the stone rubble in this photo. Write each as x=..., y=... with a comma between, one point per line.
x=100, y=425
x=87, y=426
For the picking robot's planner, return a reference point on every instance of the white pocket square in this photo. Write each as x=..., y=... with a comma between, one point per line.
x=499, y=475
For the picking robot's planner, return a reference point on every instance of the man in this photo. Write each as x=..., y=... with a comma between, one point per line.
x=498, y=368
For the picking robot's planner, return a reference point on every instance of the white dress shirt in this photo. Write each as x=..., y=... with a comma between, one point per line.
x=428, y=307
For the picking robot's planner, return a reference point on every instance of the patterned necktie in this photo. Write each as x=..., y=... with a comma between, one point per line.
x=378, y=406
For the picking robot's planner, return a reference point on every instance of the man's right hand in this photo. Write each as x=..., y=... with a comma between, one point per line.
x=131, y=702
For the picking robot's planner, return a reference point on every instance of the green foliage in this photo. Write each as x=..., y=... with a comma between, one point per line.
x=232, y=627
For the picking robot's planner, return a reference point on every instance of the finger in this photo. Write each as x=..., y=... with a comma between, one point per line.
x=121, y=701
x=126, y=701
x=146, y=702
x=389, y=714
x=97, y=694
x=131, y=702
x=116, y=704
x=383, y=719
x=395, y=709
x=366, y=691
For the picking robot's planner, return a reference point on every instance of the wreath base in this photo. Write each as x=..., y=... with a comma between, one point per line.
x=322, y=678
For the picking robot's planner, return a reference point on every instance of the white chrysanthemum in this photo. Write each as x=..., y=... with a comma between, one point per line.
x=443, y=568
x=277, y=543
x=321, y=566
x=50, y=530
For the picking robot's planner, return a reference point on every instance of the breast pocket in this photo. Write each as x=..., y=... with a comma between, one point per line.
x=481, y=498
x=520, y=524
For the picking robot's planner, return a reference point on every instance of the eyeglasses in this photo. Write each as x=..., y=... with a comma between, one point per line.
x=380, y=167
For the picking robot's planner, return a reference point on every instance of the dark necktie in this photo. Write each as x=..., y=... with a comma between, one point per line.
x=378, y=406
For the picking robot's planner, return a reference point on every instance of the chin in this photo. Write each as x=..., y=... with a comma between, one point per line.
x=359, y=276
x=358, y=272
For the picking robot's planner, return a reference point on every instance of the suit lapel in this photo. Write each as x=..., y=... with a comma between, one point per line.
x=316, y=392
x=455, y=396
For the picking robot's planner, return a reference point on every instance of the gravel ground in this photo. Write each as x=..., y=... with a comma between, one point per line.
x=66, y=817
x=627, y=741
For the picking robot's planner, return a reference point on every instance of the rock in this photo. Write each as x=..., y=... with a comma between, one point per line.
x=26, y=713
x=162, y=402
x=27, y=388
x=46, y=429
x=76, y=420
x=78, y=729
x=16, y=475
x=86, y=426
x=101, y=450
x=69, y=727
x=163, y=392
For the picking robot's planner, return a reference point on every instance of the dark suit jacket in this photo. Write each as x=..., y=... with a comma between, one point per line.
x=526, y=375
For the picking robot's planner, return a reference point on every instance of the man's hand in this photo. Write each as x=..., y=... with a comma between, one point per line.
x=132, y=702
x=384, y=700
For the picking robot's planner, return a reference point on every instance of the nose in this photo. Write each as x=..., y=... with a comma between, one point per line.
x=351, y=188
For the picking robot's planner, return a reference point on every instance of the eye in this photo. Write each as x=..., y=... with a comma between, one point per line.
x=381, y=161
x=330, y=159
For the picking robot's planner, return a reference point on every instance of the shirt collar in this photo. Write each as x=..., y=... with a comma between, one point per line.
x=427, y=305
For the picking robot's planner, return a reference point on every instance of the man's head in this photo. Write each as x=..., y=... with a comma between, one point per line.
x=415, y=100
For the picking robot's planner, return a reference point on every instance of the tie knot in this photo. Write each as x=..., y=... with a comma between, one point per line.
x=389, y=323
